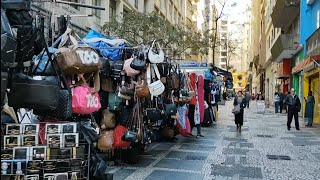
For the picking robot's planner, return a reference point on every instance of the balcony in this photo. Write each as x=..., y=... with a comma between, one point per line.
x=283, y=69
x=285, y=46
x=284, y=12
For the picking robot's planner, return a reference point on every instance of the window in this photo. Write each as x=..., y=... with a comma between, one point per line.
x=96, y=12
x=136, y=3
x=224, y=60
x=112, y=10
x=223, y=53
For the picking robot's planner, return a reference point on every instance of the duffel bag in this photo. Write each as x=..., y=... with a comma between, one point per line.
x=41, y=94
x=76, y=59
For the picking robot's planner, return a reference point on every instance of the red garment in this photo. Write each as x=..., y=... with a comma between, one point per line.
x=192, y=78
x=201, y=97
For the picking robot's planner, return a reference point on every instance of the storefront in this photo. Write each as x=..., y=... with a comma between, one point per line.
x=311, y=82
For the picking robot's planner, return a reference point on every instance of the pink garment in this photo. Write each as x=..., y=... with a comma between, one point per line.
x=201, y=97
x=188, y=126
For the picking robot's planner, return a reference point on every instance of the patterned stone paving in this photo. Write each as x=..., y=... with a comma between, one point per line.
x=263, y=150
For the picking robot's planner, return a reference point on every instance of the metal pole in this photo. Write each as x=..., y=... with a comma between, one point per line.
x=81, y=5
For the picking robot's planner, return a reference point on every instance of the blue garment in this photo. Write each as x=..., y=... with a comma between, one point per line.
x=106, y=50
x=208, y=75
x=309, y=109
x=276, y=106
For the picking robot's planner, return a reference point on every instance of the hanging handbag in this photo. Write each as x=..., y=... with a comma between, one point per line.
x=106, y=140
x=155, y=54
x=171, y=109
x=76, y=59
x=142, y=90
x=127, y=68
x=130, y=136
x=167, y=133
x=26, y=92
x=108, y=120
x=118, y=133
x=163, y=69
x=139, y=60
x=114, y=102
x=116, y=69
x=105, y=70
x=85, y=99
x=134, y=125
x=156, y=88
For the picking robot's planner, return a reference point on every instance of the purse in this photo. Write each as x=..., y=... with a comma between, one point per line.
x=167, y=133
x=105, y=70
x=107, y=85
x=116, y=69
x=171, y=109
x=106, y=140
x=142, y=90
x=236, y=110
x=153, y=114
x=139, y=61
x=114, y=102
x=118, y=133
x=155, y=55
x=108, y=120
x=163, y=69
x=156, y=88
x=85, y=99
x=127, y=68
x=76, y=59
x=130, y=136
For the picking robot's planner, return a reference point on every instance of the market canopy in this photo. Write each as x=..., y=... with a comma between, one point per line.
x=299, y=67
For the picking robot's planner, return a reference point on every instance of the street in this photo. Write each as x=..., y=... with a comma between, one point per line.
x=263, y=150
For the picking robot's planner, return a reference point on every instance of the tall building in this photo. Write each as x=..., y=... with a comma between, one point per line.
x=223, y=39
x=175, y=11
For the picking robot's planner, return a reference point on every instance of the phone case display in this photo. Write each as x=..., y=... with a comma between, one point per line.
x=30, y=140
x=11, y=141
x=21, y=153
x=69, y=128
x=30, y=129
x=13, y=129
x=71, y=139
x=54, y=140
x=38, y=152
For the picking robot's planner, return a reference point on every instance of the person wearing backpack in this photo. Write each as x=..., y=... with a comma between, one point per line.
x=294, y=106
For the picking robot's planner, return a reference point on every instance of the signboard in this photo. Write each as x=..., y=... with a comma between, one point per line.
x=193, y=64
x=261, y=107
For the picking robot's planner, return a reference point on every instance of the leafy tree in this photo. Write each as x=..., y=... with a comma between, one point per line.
x=138, y=28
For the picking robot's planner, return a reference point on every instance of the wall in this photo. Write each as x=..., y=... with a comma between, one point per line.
x=308, y=19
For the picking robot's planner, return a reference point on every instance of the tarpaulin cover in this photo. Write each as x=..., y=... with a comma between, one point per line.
x=107, y=47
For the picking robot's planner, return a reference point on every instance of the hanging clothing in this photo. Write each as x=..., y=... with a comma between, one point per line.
x=201, y=96
x=309, y=110
x=192, y=84
x=197, y=110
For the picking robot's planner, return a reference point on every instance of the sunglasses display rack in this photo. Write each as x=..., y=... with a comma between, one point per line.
x=48, y=151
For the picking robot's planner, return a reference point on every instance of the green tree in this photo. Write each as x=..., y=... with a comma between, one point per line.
x=138, y=28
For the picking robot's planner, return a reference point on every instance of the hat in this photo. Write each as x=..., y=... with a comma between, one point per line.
x=292, y=89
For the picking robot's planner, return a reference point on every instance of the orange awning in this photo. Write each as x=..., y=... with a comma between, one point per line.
x=304, y=63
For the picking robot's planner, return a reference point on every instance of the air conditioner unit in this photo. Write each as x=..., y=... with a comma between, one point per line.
x=310, y=1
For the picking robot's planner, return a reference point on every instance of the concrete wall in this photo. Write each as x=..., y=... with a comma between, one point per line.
x=310, y=20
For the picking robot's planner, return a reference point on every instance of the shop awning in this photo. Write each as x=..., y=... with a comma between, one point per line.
x=222, y=72
x=304, y=63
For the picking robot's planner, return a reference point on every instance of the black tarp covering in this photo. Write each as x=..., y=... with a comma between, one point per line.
x=222, y=72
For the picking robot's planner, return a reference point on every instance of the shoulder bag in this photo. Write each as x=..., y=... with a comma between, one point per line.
x=139, y=60
x=106, y=140
x=127, y=68
x=156, y=88
x=108, y=120
x=114, y=102
x=155, y=54
x=85, y=99
x=76, y=59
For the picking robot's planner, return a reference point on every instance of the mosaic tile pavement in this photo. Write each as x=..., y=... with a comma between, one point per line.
x=263, y=150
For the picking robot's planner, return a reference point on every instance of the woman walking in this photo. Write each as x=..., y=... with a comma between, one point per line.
x=309, y=109
x=239, y=104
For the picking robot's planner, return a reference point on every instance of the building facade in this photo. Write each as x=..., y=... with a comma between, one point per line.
x=223, y=39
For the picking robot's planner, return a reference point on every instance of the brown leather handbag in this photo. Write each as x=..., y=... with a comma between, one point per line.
x=142, y=90
x=108, y=120
x=76, y=58
x=106, y=140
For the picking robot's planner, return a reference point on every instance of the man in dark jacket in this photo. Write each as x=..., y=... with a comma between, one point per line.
x=294, y=106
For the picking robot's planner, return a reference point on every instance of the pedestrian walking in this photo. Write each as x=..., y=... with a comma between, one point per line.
x=276, y=102
x=294, y=106
x=239, y=104
x=248, y=99
x=260, y=97
x=284, y=102
x=310, y=102
x=281, y=102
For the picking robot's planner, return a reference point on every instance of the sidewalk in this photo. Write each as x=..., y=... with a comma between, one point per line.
x=263, y=150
